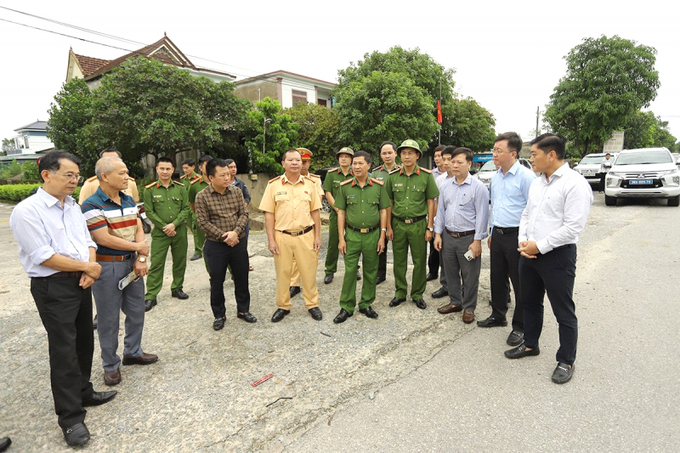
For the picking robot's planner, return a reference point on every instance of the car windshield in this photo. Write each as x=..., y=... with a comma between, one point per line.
x=488, y=166
x=644, y=157
x=592, y=160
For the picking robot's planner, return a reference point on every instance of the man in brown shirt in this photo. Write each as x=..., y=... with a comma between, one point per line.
x=222, y=215
x=291, y=205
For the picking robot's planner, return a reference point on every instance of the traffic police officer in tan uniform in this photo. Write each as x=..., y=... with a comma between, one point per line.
x=362, y=218
x=410, y=221
x=306, y=156
x=291, y=206
x=92, y=184
x=167, y=206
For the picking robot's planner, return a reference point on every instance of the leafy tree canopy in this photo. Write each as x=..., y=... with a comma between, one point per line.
x=467, y=124
x=270, y=133
x=644, y=130
x=319, y=131
x=608, y=80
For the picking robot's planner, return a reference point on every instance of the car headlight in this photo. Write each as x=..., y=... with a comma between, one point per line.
x=668, y=172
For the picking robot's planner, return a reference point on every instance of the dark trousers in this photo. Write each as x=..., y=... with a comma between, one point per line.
x=219, y=256
x=554, y=274
x=433, y=260
x=504, y=265
x=382, y=262
x=66, y=312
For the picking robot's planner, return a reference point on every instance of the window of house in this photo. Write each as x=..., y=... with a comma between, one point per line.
x=299, y=96
x=322, y=102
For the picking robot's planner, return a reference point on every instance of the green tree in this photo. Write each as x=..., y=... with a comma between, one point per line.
x=270, y=133
x=645, y=130
x=7, y=145
x=607, y=81
x=466, y=124
x=319, y=131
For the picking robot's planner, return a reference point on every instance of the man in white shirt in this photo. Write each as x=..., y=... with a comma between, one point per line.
x=555, y=215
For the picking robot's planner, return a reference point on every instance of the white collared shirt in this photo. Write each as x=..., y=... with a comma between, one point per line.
x=43, y=228
x=557, y=209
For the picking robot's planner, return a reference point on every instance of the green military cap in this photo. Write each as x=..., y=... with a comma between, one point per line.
x=410, y=144
x=345, y=150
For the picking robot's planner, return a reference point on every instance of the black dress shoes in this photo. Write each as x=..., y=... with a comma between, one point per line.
x=218, y=324
x=179, y=294
x=279, y=314
x=396, y=301
x=76, y=435
x=515, y=338
x=358, y=276
x=196, y=256
x=342, y=316
x=315, y=313
x=5, y=442
x=420, y=303
x=379, y=279
x=521, y=351
x=493, y=322
x=98, y=398
x=562, y=373
x=247, y=317
x=144, y=359
x=441, y=292
x=431, y=276
x=149, y=304
x=294, y=290
x=369, y=312
x=94, y=326
x=327, y=279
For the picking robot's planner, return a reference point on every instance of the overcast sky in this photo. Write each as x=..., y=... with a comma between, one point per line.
x=507, y=55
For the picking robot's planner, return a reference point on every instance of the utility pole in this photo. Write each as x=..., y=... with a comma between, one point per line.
x=537, y=115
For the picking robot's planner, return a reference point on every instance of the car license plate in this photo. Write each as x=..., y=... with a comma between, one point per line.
x=640, y=182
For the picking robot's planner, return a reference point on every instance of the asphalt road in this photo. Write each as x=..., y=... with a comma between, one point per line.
x=625, y=394
x=410, y=381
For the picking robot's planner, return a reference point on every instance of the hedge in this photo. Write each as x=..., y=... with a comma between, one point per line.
x=17, y=192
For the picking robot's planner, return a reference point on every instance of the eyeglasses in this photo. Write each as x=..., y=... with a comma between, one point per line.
x=497, y=151
x=72, y=176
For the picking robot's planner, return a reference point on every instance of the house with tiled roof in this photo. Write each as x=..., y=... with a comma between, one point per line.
x=164, y=50
x=286, y=87
x=31, y=139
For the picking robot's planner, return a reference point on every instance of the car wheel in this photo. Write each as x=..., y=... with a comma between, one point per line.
x=675, y=201
x=611, y=201
x=325, y=205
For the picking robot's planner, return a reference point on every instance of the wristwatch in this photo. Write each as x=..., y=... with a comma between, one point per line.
x=431, y=230
x=142, y=259
x=383, y=230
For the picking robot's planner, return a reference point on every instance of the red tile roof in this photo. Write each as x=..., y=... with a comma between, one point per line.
x=89, y=64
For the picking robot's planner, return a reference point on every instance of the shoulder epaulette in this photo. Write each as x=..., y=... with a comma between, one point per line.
x=333, y=170
x=346, y=181
x=130, y=178
x=274, y=179
x=396, y=169
x=178, y=183
x=92, y=178
x=197, y=179
x=377, y=181
x=314, y=175
x=426, y=170
x=148, y=186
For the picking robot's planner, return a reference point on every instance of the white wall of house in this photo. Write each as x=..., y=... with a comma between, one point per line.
x=32, y=142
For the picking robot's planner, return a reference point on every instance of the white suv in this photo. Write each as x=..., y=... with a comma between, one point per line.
x=643, y=173
x=590, y=166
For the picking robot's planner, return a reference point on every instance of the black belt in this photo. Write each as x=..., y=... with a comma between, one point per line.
x=565, y=246
x=363, y=230
x=460, y=234
x=299, y=233
x=411, y=220
x=508, y=230
x=65, y=274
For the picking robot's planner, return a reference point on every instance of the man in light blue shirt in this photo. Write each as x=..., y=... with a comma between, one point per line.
x=509, y=192
x=58, y=255
x=460, y=226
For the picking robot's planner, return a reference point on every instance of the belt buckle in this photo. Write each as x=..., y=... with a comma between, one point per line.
x=408, y=221
x=500, y=231
x=295, y=233
x=364, y=230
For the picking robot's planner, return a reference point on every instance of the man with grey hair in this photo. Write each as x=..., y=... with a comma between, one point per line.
x=111, y=217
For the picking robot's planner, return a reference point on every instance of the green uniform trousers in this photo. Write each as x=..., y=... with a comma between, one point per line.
x=333, y=239
x=159, y=251
x=413, y=236
x=362, y=245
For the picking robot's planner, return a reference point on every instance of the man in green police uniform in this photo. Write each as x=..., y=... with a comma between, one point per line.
x=331, y=185
x=362, y=218
x=412, y=191
x=388, y=154
x=196, y=185
x=167, y=206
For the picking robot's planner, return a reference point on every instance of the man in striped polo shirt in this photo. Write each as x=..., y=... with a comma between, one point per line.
x=112, y=220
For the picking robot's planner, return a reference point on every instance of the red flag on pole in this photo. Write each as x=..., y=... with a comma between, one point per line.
x=439, y=112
